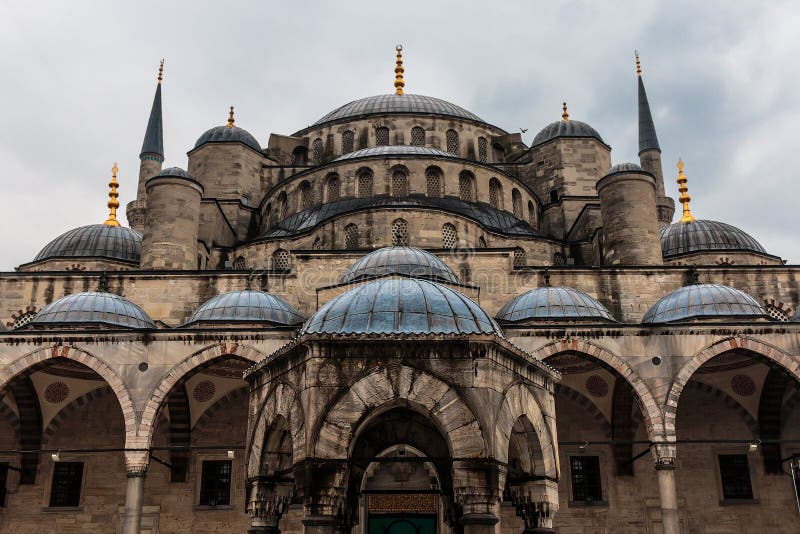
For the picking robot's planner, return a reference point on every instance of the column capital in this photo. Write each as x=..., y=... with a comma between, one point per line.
x=136, y=462
x=268, y=499
x=536, y=502
x=664, y=454
x=322, y=483
x=477, y=485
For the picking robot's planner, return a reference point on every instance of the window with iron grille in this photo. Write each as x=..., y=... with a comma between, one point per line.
x=239, y=264
x=23, y=319
x=65, y=489
x=399, y=184
x=334, y=189
x=483, y=150
x=452, y=141
x=586, y=483
x=417, y=136
x=776, y=313
x=316, y=151
x=215, y=483
x=365, y=184
x=351, y=236
x=465, y=187
x=399, y=233
x=520, y=258
x=516, y=203
x=3, y=483
x=382, y=136
x=481, y=242
x=347, y=141
x=280, y=259
x=449, y=236
x=531, y=213
x=734, y=472
x=434, y=178
x=306, y=196
x=495, y=194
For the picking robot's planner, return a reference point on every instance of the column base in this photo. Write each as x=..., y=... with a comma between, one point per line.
x=479, y=523
x=539, y=530
x=263, y=530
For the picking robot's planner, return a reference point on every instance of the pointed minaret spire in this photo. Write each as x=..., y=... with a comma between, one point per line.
x=113, y=195
x=684, y=191
x=153, y=144
x=647, y=130
x=398, y=71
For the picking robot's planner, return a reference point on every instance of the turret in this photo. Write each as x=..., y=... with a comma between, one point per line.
x=150, y=158
x=650, y=153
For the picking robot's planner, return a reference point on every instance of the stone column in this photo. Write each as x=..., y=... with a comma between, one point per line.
x=536, y=502
x=477, y=489
x=664, y=454
x=267, y=500
x=136, y=467
x=323, y=486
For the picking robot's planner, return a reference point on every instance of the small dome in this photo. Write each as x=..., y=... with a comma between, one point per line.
x=395, y=150
x=698, y=236
x=409, y=261
x=703, y=300
x=175, y=171
x=401, y=306
x=247, y=306
x=225, y=134
x=95, y=241
x=568, y=128
x=625, y=167
x=553, y=303
x=93, y=307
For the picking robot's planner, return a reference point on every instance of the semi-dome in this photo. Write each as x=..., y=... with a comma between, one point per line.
x=247, y=306
x=395, y=150
x=553, y=303
x=568, y=128
x=401, y=306
x=95, y=241
x=397, y=104
x=704, y=301
x=703, y=235
x=93, y=307
x=625, y=167
x=408, y=261
x=228, y=134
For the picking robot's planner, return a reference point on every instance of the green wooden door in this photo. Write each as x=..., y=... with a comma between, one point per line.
x=402, y=524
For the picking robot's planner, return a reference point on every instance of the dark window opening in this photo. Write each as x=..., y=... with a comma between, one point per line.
x=66, y=487
x=586, y=484
x=215, y=484
x=553, y=196
x=735, y=474
x=3, y=483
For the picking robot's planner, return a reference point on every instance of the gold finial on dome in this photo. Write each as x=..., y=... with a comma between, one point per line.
x=161, y=71
x=564, y=114
x=638, y=63
x=684, y=198
x=231, y=119
x=398, y=72
x=113, y=203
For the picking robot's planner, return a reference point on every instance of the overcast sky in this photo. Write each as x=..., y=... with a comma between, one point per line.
x=78, y=81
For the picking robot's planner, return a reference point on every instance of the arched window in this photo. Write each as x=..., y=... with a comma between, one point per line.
x=452, y=141
x=347, y=141
x=382, y=136
x=417, y=136
x=449, y=236
x=300, y=156
x=334, y=189
x=481, y=242
x=553, y=196
x=495, y=193
x=465, y=192
x=316, y=151
x=306, y=196
x=365, y=186
x=23, y=319
x=483, y=150
x=280, y=208
x=531, y=213
x=351, y=236
x=520, y=258
x=239, y=264
x=399, y=233
x=498, y=153
x=434, y=178
x=280, y=259
x=516, y=203
x=776, y=313
x=266, y=217
x=399, y=184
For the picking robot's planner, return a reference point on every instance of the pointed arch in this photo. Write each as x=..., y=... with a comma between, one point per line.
x=282, y=402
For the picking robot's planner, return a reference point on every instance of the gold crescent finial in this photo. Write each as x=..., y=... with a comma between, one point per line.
x=638, y=63
x=113, y=203
x=564, y=114
x=231, y=119
x=398, y=71
x=684, y=198
x=161, y=71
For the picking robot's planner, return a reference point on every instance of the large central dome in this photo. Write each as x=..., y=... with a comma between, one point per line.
x=406, y=103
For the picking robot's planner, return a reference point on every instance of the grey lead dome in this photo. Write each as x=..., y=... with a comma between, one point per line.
x=553, y=303
x=409, y=261
x=95, y=241
x=701, y=235
x=704, y=300
x=93, y=307
x=401, y=306
x=568, y=128
x=224, y=134
x=247, y=306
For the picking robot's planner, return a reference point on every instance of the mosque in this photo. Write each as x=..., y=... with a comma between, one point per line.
x=401, y=319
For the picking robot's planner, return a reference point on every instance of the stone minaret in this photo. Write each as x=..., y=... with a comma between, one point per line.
x=650, y=153
x=151, y=158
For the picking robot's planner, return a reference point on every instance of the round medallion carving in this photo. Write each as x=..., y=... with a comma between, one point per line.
x=597, y=386
x=56, y=392
x=204, y=391
x=743, y=385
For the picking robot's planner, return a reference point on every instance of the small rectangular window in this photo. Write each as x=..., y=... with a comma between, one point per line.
x=3, y=483
x=66, y=487
x=586, y=484
x=735, y=474
x=215, y=483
